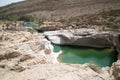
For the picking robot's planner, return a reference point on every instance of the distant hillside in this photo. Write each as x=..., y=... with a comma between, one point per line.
x=53, y=9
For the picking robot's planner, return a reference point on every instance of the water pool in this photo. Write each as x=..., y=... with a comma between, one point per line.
x=81, y=55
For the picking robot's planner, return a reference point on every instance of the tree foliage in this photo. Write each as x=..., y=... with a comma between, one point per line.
x=26, y=18
x=8, y=17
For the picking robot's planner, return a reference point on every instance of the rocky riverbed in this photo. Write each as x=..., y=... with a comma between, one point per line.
x=29, y=56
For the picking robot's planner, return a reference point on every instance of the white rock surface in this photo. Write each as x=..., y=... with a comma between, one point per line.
x=80, y=37
x=19, y=50
x=55, y=72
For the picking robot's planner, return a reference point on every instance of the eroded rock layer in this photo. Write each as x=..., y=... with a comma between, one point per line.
x=81, y=37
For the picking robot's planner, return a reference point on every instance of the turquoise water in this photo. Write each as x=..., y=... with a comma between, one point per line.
x=80, y=55
x=30, y=24
x=33, y=25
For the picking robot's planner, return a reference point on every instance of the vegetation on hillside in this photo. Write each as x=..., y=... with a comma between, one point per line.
x=59, y=8
x=8, y=17
x=26, y=18
x=105, y=19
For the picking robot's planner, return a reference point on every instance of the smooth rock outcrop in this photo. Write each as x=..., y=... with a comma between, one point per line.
x=81, y=37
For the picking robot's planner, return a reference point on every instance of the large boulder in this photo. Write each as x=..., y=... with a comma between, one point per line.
x=115, y=70
x=81, y=37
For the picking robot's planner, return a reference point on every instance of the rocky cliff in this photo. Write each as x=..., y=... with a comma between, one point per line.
x=29, y=56
x=81, y=37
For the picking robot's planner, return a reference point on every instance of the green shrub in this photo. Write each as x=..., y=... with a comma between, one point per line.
x=40, y=22
x=8, y=17
x=26, y=18
x=112, y=25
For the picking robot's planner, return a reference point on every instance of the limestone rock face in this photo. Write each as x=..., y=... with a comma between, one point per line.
x=117, y=44
x=20, y=49
x=80, y=37
x=115, y=70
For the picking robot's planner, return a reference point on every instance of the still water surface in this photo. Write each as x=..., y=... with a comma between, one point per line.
x=81, y=55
